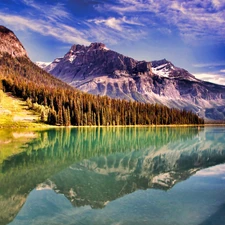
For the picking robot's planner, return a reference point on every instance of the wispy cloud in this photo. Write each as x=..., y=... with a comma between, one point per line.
x=208, y=65
x=110, y=22
x=117, y=23
x=60, y=31
x=114, y=30
x=130, y=6
x=195, y=20
x=51, y=12
x=55, y=20
x=47, y=20
x=213, y=78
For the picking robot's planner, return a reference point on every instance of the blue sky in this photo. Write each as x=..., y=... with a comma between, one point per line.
x=190, y=33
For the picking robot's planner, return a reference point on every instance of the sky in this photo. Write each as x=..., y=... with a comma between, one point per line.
x=189, y=33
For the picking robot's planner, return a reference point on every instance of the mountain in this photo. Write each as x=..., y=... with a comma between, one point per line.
x=18, y=70
x=10, y=44
x=60, y=104
x=52, y=65
x=14, y=59
x=97, y=70
x=42, y=65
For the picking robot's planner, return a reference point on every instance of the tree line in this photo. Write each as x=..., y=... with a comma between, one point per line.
x=69, y=106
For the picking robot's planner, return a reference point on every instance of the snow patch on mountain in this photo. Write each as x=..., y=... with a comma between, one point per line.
x=105, y=48
x=72, y=58
x=162, y=70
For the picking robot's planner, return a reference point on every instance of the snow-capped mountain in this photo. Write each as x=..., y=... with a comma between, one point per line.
x=48, y=66
x=42, y=65
x=164, y=68
x=98, y=70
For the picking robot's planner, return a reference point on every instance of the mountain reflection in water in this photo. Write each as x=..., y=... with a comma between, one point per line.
x=94, y=166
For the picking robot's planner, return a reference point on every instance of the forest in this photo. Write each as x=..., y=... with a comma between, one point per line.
x=64, y=106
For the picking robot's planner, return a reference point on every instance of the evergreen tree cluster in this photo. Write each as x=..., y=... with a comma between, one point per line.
x=68, y=106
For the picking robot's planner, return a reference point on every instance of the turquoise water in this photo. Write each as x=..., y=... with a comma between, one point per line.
x=116, y=176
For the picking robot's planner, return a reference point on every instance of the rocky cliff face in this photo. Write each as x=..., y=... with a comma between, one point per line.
x=82, y=63
x=10, y=44
x=100, y=71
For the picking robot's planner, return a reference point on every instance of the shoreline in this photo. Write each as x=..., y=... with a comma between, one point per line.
x=46, y=126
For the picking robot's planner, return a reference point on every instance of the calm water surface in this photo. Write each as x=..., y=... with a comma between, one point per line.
x=113, y=176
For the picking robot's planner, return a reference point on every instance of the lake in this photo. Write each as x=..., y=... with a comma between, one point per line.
x=113, y=176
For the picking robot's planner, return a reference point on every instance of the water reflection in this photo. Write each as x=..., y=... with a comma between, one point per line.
x=93, y=166
x=110, y=177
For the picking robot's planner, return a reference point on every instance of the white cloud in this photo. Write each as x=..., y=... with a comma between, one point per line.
x=195, y=20
x=117, y=23
x=112, y=30
x=222, y=71
x=213, y=78
x=217, y=3
x=110, y=22
x=178, y=6
x=114, y=23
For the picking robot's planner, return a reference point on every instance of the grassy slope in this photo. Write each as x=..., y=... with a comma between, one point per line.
x=14, y=113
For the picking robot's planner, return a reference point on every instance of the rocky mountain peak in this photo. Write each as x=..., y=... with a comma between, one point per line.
x=10, y=44
x=157, y=63
x=97, y=46
x=76, y=48
x=81, y=48
x=82, y=62
x=165, y=68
